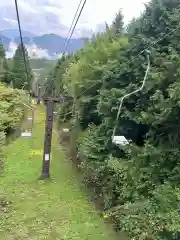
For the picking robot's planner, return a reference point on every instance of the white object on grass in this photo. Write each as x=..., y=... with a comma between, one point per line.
x=29, y=118
x=26, y=134
x=65, y=130
x=46, y=157
x=120, y=140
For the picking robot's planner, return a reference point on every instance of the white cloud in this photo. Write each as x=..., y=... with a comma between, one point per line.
x=12, y=21
x=98, y=11
x=55, y=16
x=27, y=7
x=11, y=50
x=33, y=51
x=52, y=9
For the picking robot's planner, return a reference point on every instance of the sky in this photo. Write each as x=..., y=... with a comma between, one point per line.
x=55, y=16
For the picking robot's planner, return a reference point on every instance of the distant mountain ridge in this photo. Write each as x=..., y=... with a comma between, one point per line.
x=11, y=33
x=51, y=42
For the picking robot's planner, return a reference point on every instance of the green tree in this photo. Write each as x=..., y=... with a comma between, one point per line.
x=118, y=24
x=18, y=71
x=133, y=27
x=4, y=73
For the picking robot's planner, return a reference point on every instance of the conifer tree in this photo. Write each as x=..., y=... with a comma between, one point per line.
x=118, y=24
x=19, y=75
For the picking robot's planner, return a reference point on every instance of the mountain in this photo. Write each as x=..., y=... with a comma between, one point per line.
x=52, y=44
x=26, y=40
x=12, y=33
x=55, y=44
x=5, y=41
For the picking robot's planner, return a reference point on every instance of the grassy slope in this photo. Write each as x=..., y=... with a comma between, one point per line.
x=56, y=209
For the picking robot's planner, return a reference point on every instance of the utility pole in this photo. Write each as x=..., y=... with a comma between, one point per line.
x=48, y=134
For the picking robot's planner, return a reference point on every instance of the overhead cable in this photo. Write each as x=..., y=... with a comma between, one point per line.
x=67, y=43
x=21, y=39
x=72, y=22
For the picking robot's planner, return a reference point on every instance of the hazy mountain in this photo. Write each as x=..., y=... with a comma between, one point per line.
x=12, y=33
x=5, y=41
x=54, y=43
x=51, y=43
x=26, y=40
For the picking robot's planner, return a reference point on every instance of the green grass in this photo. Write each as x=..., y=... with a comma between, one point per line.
x=39, y=210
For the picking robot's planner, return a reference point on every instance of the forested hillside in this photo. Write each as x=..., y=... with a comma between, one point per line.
x=42, y=63
x=138, y=184
x=41, y=68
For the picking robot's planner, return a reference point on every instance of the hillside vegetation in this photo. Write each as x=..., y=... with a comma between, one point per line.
x=41, y=68
x=42, y=63
x=57, y=209
x=15, y=77
x=11, y=112
x=138, y=185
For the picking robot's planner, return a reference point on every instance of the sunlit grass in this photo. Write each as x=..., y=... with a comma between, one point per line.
x=55, y=209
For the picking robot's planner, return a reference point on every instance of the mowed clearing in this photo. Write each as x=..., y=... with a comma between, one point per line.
x=52, y=209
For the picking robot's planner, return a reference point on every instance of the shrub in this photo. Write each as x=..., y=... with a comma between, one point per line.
x=11, y=112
